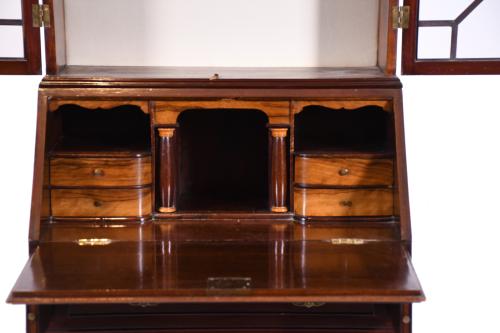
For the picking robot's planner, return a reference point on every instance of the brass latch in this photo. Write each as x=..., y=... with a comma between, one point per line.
x=93, y=241
x=400, y=17
x=41, y=16
x=229, y=283
x=347, y=241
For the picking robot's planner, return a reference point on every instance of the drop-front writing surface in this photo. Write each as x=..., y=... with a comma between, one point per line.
x=227, y=33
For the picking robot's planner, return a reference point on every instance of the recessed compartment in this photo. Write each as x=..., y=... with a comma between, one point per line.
x=120, y=128
x=223, y=160
x=367, y=129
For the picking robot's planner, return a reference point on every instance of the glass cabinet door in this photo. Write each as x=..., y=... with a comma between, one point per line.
x=452, y=37
x=19, y=40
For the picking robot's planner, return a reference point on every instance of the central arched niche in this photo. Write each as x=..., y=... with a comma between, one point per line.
x=223, y=164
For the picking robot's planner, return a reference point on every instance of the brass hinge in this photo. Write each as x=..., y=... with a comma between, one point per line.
x=400, y=17
x=347, y=241
x=41, y=16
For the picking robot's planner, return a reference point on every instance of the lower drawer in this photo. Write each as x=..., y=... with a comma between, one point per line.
x=216, y=318
x=101, y=202
x=343, y=202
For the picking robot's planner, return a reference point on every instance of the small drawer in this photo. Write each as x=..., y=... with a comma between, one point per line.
x=343, y=171
x=343, y=202
x=101, y=202
x=100, y=171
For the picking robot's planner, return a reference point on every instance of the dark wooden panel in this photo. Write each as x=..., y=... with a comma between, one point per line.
x=169, y=271
x=234, y=317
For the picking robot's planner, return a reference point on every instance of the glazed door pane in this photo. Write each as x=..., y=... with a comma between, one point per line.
x=11, y=37
x=452, y=37
x=10, y=9
x=19, y=41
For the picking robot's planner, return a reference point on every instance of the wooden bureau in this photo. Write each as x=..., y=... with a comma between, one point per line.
x=220, y=168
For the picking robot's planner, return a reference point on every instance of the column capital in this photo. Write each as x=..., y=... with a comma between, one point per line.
x=279, y=132
x=166, y=132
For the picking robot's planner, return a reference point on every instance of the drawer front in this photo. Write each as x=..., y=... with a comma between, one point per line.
x=343, y=171
x=101, y=203
x=100, y=171
x=343, y=202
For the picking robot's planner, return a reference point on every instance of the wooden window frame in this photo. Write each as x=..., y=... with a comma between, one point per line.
x=31, y=63
x=411, y=65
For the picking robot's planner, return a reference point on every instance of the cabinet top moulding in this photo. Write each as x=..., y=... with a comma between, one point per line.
x=204, y=77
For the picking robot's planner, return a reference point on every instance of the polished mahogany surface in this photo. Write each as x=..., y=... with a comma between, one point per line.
x=222, y=77
x=212, y=271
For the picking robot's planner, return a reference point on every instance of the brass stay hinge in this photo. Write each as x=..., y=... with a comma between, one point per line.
x=400, y=17
x=41, y=16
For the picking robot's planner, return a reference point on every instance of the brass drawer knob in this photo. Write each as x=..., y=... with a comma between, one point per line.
x=98, y=172
x=344, y=171
x=97, y=203
x=346, y=203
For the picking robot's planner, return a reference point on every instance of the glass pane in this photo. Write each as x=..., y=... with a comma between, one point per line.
x=442, y=9
x=459, y=29
x=12, y=41
x=434, y=43
x=479, y=33
x=10, y=9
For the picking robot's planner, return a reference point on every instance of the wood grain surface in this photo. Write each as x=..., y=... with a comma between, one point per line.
x=166, y=112
x=100, y=171
x=312, y=271
x=343, y=171
x=343, y=202
x=101, y=202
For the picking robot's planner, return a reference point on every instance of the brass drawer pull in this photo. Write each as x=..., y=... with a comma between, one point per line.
x=344, y=172
x=97, y=203
x=98, y=172
x=346, y=203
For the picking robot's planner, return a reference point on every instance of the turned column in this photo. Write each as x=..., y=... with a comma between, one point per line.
x=167, y=170
x=278, y=167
